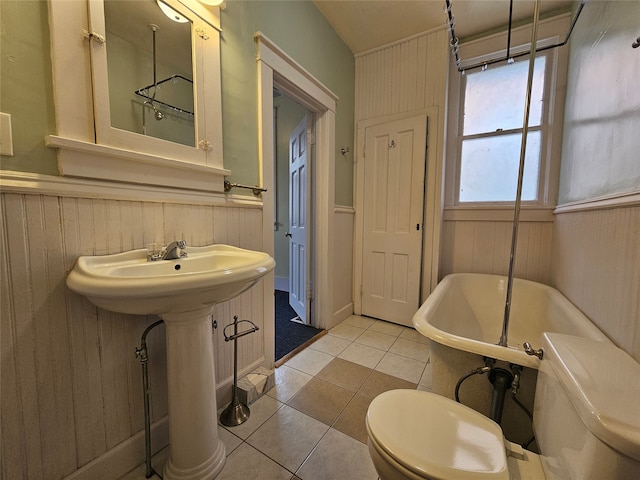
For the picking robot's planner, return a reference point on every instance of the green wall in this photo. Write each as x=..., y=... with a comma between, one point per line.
x=299, y=29
x=26, y=88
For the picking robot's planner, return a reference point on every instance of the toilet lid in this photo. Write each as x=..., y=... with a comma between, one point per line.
x=437, y=437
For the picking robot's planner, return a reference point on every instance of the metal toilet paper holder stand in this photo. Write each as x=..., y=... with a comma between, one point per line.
x=237, y=412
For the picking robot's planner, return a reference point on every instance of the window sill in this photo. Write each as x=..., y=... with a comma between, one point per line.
x=77, y=158
x=498, y=213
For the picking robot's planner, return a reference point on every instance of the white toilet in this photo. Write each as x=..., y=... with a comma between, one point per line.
x=586, y=420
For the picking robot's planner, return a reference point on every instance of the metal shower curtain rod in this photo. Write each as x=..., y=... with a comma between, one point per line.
x=454, y=39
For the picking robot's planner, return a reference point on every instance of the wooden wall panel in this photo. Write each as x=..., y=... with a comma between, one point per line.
x=402, y=77
x=343, y=275
x=484, y=247
x=596, y=264
x=71, y=384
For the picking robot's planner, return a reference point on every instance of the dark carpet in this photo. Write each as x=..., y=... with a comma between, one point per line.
x=289, y=335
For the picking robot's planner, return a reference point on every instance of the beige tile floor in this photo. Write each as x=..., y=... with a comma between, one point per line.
x=311, y=425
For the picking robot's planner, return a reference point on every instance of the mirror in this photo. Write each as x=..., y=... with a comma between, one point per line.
x=88, y=143
x=150, y=70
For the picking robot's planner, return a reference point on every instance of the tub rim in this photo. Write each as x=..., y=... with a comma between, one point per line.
x=510, y=354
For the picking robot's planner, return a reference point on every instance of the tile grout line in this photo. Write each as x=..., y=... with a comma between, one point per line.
x=342, y=410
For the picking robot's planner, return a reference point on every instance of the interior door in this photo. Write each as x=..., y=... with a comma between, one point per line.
x=299, y=231
x=394, y=182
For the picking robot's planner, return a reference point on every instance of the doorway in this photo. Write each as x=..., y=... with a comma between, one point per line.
x=293, y=156
x=432, y=216
x=276, y=68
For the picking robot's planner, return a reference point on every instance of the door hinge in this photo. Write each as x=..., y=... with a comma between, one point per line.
x=312, y=137
x=205, y=145
x=91, y=35
x=202, y=33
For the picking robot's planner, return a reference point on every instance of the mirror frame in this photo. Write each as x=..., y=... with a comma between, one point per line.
x=87, y=144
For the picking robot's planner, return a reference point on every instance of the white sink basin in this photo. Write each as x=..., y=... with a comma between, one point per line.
x=128, y=283
x=183, y=293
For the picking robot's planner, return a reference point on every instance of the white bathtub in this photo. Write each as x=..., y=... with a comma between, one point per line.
x=466, y=310
x=463, y=320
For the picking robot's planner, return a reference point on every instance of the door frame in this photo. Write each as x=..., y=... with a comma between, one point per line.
x=432, y=198
x=276, y=68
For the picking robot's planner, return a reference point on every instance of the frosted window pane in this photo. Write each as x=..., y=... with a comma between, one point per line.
x=489, y=168
x=494, y=99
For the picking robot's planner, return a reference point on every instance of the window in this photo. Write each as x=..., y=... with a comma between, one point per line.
x=484, y=124
x=490, y=125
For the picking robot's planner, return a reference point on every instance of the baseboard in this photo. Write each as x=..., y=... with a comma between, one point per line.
x=126, y=456
x=342, y=314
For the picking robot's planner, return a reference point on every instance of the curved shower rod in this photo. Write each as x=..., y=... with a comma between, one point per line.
x=141, y=93
x=454, y=44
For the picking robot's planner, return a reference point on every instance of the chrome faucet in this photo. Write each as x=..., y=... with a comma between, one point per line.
x=174, y=250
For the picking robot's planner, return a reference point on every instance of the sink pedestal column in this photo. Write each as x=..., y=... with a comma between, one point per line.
x=196, y=452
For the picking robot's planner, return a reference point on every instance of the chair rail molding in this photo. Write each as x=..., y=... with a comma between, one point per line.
x=38, y=184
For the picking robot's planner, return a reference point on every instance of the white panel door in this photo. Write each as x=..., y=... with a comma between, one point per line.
x=394, y=182
x=299, y=231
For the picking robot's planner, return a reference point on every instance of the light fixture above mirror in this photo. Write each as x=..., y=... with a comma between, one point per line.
x=171, y=13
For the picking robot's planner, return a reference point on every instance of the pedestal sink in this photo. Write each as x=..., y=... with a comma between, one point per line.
x=182, y=292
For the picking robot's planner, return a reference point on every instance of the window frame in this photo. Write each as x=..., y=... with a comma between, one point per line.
x=485, y=49
x=543, y=128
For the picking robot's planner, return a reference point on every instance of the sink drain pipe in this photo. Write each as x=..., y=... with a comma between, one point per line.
x=141, y=353
x=501, y=380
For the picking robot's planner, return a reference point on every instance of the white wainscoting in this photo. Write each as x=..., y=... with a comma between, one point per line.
x=596, y=265
x=343, y=271
x=71, y=384
x=480, y=242
x=402, y=77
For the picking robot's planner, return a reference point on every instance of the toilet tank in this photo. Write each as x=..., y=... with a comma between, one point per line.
x=587, y=410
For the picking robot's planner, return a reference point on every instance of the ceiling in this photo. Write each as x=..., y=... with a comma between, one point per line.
x=367, y=24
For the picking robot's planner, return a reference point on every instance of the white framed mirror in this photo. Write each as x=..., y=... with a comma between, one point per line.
x=156, y=119
x=124, y=113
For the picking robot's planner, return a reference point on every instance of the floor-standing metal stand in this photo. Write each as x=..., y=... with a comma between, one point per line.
x=237, y=412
